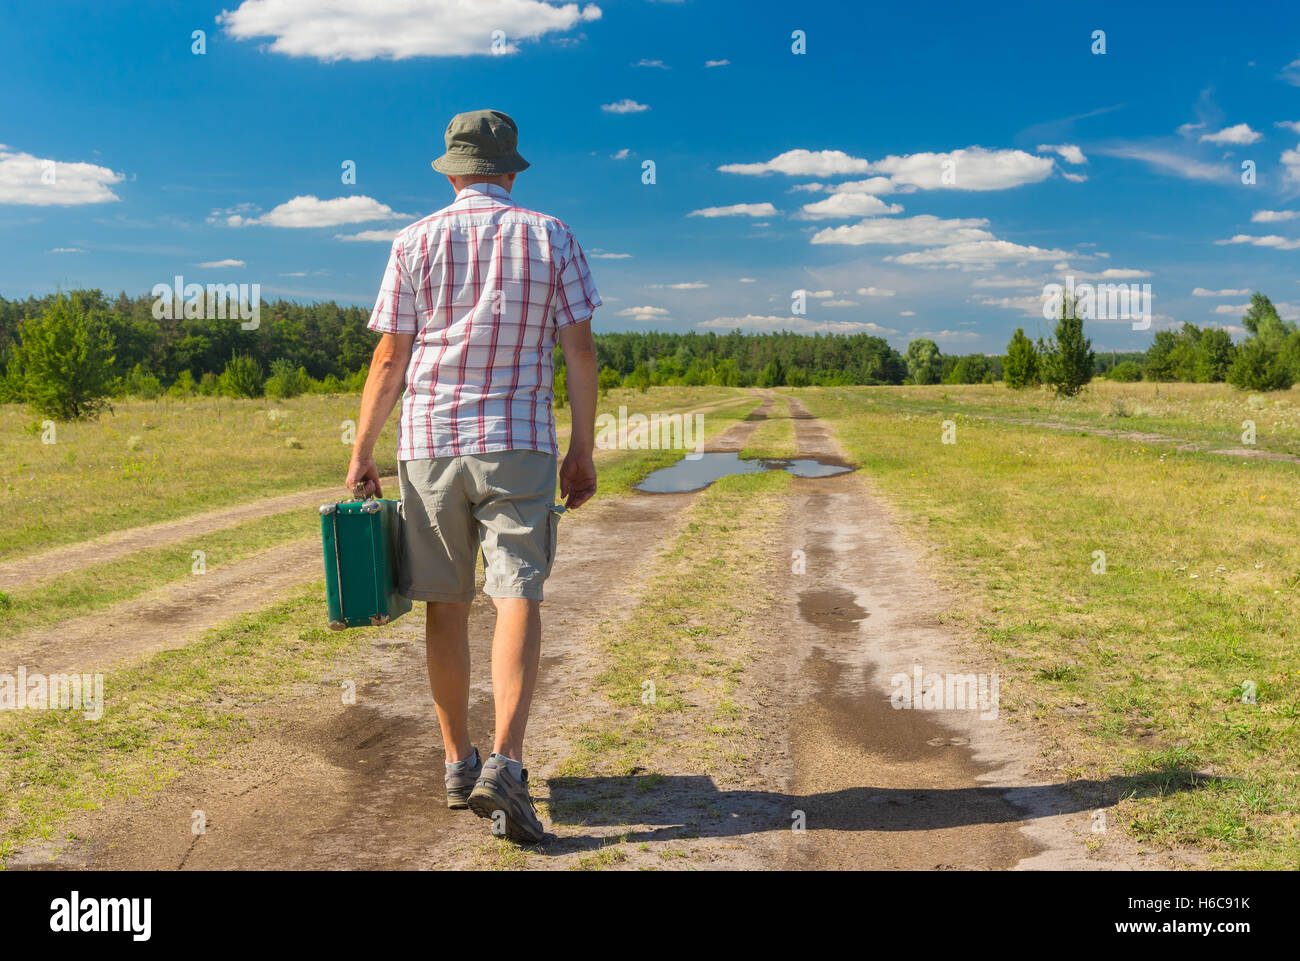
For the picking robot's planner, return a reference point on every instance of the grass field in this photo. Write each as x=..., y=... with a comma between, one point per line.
x=1141, y=669
x=1173, y=664
x=151, y=461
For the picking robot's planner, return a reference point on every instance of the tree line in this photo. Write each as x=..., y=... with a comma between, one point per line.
x=68, y=354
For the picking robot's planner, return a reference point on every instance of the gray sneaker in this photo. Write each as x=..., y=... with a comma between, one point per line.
x=497, y=790
x=460, y=783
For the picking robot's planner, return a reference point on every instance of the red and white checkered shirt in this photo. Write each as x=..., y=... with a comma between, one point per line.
x=484, y=286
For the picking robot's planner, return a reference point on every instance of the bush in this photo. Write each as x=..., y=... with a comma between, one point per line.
x=140, y=383
x=1126, y=372
x=242, y=377
x=639, y=378
x=184, y=385
x=63, y=361
x=608, y=378
x=1257, y=367
x=209, y=384
x=286, y=380
x=561, y=388
x=355, y=382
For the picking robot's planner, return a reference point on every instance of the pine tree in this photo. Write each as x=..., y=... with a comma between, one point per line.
x=1021, y=367
x=1068, y=359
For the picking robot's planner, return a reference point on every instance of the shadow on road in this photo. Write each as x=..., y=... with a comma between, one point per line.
x=657, y=808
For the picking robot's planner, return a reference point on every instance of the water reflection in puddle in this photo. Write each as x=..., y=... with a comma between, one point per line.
x=691, y=475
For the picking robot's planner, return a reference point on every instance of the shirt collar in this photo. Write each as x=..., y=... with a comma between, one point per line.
x=482, y=189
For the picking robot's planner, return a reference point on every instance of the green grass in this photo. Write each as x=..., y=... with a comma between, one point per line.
x=1138, y=670
x=688, y=637
x=175, y=710
x=1212, y=415
x=775, y=435
x=151, y=461
x=98, y=586
x=188, y=456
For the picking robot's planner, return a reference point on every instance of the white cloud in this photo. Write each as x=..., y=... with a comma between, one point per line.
x=1291, y=161
x=875, y=292
x=1005, y=282
x=812, y=188
x=310, y=211
x=921, y=230
x=819, y=294
x=689, y=285
x=872, y=185
x=972, y=168
x=1273, y=216
x=717, y=63
x=1232, y=309
x=66, y=250
x=1069, y=152
x=1030, y=305
x=1292, y=125
x=1271, y=240
x=907, y=313
x=976, y=252
x=215, y=264
x=847, y=205
x=945, y=335
x=74, y=183
x=748, y=280
x=1110, y=273
x=625, y=105
x=735, y=210
x=397, y=29
x=657, y=64
x=1202, y=292
x=839, y=303
x=796, y=324
x=1074, y=178
x=643, y=313
x=1240, y=134
x=621, y=155
x=803, y=163
x=1166, y=161
x=975, y=168
x=607, y=255
x=368, y=236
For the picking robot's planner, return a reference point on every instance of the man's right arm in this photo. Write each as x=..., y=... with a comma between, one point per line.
x=578, y=472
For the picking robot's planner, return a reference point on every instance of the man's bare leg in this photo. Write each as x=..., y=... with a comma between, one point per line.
x=516, y=648
x=446, y=639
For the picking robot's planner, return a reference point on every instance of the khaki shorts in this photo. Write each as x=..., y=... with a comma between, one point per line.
x=454, y=507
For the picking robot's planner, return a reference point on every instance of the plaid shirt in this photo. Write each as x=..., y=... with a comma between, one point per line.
x=484, y=286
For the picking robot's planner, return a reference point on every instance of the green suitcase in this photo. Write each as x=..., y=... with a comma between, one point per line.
x=363, y=548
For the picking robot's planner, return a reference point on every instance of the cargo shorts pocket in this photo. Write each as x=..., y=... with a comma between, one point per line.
x=552, y=534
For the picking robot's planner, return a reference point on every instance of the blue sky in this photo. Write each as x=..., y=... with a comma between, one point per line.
x=1122, y=166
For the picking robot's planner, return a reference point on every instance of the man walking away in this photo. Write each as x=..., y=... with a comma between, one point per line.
x=471, y=305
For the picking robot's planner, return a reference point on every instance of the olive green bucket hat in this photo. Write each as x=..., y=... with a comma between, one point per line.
x=481, y=142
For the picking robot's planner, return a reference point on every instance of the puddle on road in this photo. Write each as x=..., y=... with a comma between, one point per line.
x=692, y=475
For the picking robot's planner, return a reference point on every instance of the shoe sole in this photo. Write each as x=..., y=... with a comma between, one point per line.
x=485, y=802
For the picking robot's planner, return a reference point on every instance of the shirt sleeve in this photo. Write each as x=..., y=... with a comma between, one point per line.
x=394, y=311
x=576, y=298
